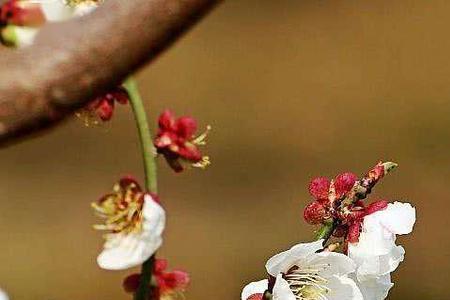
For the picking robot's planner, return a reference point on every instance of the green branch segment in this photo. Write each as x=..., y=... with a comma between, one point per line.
x=144, y=291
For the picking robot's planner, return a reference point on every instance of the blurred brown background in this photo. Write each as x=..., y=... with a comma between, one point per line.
x=293, y=89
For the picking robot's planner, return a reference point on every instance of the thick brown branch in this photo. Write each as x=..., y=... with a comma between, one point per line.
x=71, y=62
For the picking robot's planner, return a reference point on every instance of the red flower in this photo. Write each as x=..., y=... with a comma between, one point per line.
x=176, y=140
x=168, y=282
x=21, y=13
x=102, y=107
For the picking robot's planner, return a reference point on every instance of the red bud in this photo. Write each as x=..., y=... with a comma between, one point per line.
x=344, y=183
x=319, y=187
x=314, y=213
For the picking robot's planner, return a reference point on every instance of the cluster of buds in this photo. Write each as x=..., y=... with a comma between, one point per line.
x=102, y=107
x=339, y=201
x=177, y=142
x=165, y=284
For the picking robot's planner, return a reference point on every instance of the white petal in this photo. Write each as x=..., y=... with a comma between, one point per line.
x=257, y=287
x=335, y=264
x=283, y=261
x=398, y=218
x=56, y=10
x=343, y=287
x=154, y=217
x=124, y=251
x=281, y=290
x=376, y=288
x=85, y=9
x=3, y=295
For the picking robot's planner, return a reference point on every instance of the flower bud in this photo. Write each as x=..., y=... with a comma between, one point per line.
x=344, y=183
x=314, y=213
x=319, y=187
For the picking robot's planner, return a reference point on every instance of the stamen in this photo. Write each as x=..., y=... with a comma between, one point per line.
x=306, y=283
x=203, y=164
x=201, y=139
x=122, y=210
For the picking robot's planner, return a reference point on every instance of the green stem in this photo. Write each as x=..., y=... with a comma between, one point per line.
x=326, y=231
x=144, y=291
x=148, y=150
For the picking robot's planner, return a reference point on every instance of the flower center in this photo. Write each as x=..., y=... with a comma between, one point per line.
x=121, y=210
x=78, y=2
x=306, y=283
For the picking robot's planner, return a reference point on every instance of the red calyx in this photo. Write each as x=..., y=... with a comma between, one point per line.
x=257, y=296
x=376, y=206
x=354, y=230
x=131, y=283
x=167, y=281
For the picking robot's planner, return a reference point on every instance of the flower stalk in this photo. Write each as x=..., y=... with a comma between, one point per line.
x=144, y=291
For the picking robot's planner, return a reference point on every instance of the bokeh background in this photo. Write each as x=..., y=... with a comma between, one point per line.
x=293, y=90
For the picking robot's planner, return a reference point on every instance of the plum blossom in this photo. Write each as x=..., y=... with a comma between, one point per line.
x=376, y=254
x=20, y=20
x=176, y=140
x=301, y=273
x=135, y=222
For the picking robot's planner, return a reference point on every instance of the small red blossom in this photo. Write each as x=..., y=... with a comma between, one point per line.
x=21, y=13
x=176, y=140
x=319, y=188
x=168, y=282
x=344, y=183
x=102, y=107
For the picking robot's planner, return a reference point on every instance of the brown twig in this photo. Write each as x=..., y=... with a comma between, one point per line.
x=72, y=62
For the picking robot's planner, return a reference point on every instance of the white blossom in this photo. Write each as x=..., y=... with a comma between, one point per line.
x=376, y=254
x=303, y=274
x=128, y=249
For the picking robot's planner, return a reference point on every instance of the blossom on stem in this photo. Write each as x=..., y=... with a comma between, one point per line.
x=303, y=274
x=376, y=253
x=166, y=284
x=134, y=221
x=102, y=107
x=176, y=140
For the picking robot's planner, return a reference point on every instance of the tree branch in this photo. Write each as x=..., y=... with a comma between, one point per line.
x=72, y=62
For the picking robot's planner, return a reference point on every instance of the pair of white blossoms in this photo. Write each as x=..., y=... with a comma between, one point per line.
x=301, y=273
